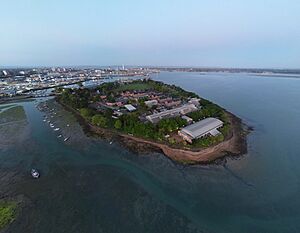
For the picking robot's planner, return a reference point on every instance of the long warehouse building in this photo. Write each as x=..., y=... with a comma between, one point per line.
x=208, y=126
x=184, y=109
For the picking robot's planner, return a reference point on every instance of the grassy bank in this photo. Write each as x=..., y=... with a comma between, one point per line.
x=8, y=211
x=16, y=113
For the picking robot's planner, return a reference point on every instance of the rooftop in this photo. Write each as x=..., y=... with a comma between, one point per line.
x=129, y=107
x=184, y=109
x=203, y=127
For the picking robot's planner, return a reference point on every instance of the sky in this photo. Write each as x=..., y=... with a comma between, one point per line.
x=202, y=33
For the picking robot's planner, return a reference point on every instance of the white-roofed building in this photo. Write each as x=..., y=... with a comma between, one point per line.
x=184, y=109
x=129, y=107
x=208, y=126
x=188, y=119
x=195, y=101
x=151, y=103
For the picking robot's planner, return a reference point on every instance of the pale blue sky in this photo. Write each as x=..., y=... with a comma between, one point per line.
x=227, y=33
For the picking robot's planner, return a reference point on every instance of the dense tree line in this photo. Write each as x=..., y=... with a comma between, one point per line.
x=75, y=98
x=131, y=124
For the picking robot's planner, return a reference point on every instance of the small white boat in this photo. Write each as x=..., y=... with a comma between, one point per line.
x=59, y=136
x=34, y=173
x=56, y=129
x=68, y=125
x=44, y=120
x=110, y=142
x=66, y=139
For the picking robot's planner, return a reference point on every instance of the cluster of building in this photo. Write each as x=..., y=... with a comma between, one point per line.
x=161, y=106
x=20, y=81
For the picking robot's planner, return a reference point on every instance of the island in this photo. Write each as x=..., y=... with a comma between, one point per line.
x=146, y=114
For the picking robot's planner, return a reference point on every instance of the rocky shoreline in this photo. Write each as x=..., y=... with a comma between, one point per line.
x=234, y=145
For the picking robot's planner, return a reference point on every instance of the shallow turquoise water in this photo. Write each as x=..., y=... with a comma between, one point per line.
x=88, y=185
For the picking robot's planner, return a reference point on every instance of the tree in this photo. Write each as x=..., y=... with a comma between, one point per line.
x=111, y=98
x=86, y=113
x=118, y=124
x=108, y=113
x=170, y=124
x=99, y=120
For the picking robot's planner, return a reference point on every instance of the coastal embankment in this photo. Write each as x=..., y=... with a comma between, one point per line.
x=235, y=144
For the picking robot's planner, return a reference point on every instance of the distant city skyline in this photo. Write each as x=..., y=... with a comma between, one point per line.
x=229, y=34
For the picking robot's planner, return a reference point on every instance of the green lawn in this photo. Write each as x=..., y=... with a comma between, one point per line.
x=134, y=86
x=207, y=141
x=8, y=212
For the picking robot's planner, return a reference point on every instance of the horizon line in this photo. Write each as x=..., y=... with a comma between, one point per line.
x=145, y=66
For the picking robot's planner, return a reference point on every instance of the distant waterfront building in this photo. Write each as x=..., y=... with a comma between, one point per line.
x=208, y=126
x=9, y=92
x=156, y=117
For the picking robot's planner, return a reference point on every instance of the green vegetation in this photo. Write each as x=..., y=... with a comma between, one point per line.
x=87, y=113
x=225, y=129
x=8, y=210
x=132, y=125
x=83, y=99
x=16, y=113
x=118, y=124
x=134, y=86
x=171, y=124
x=208, y=109
x=99, y=120
x=207, y=141
x=76, y=99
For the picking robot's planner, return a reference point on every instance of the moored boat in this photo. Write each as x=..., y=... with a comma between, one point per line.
x=34, y=173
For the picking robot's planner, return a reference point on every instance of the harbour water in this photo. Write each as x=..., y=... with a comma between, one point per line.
x=90, y=185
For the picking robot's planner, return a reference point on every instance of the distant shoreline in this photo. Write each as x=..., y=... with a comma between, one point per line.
x=15, y=99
